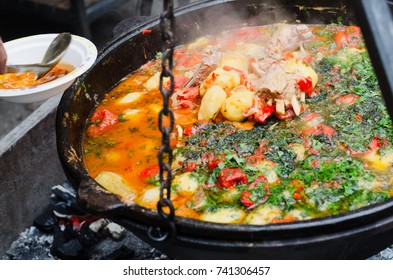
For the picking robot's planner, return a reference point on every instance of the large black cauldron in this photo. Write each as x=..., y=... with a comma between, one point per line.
x=354, y=235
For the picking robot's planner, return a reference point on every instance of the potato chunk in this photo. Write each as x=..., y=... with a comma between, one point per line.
x=237, y=104
x=211, y=103
x=154, y=81
x=150, y=198
x=130, y=113
x=236, y=60
x=263, y=215
x=300, y=151
x=129, y=98
x=227, y=80
x=115, y=184
x=185, y=184
x=224, y=215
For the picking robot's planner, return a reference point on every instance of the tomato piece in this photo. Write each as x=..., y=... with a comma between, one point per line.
x=320, y=129
x=305, y=85
x=190, y=129
x=230, y=177
x=189, y=94
x=375, y=143
x=249, y=200
x=352, y=29
x=103, y=121
x=310, y=117
x=255, y=159
x=353, y=34
x=245, y=199
x=214, y=163
x=297, y=196
x=212, y=160
x=341, y=39
x=316, y=162
x=374, y=146
x=243, y=35
x=298, y=184
x=190, y=166
x=257, y=181
x=347, y=99
x=246, y=34
x=187, y=60
x=284, y=220
x=150, y=174
x=180, y=82
x=350, y=37
x=264, y=112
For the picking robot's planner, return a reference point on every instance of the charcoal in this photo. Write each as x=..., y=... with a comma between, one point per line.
x=109, y=249
x=64, y=203
x=87, y=237
x=63, y=210
x=65, y=243
x=70, y=250
x=46, y=221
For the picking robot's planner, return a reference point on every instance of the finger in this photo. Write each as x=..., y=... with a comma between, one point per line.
x=3, y=58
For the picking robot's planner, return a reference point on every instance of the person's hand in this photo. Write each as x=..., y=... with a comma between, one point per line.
x=3, y=57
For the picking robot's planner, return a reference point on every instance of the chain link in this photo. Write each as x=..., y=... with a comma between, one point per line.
x=166, y=123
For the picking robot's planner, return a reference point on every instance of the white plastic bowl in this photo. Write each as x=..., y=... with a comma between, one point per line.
x=81, y=54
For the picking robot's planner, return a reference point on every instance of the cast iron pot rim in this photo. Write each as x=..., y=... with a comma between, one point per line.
x=362, y=215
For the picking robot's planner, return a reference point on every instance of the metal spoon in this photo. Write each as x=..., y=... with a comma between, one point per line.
x=52, y=56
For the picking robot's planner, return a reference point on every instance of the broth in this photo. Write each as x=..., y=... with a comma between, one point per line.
x=28, y=79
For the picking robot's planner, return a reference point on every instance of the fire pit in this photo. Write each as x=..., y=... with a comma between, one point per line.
x=64, y=231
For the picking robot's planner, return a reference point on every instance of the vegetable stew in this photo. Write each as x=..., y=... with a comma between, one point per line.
x=273, y=124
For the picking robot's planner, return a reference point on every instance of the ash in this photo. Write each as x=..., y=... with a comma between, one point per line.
x=386, y=254
x=34, y=244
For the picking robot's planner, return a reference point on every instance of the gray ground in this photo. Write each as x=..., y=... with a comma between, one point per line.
x=11, y=114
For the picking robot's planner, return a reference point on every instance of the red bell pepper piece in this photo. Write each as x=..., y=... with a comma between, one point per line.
x=305, y=85
x=104, y=120
x=230, y=177
x=149, y=174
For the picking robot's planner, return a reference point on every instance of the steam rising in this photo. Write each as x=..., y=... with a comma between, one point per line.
x=218, y=16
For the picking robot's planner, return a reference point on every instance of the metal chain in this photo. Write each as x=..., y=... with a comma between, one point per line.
x=166, y=123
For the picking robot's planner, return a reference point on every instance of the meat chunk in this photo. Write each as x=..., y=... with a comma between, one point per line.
x=289, y=37
x=209, y=63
